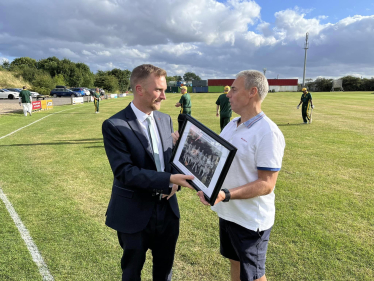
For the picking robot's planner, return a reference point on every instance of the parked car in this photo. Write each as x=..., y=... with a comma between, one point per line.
x=33, y=94
x=82, y=91
x=87, y=91
x=63, y=92
x=6, y=94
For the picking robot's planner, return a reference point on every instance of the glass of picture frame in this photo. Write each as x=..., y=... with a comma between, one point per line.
x=202, y=153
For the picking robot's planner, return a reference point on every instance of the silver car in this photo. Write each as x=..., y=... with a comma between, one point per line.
x=6, y=94
x=33, y=94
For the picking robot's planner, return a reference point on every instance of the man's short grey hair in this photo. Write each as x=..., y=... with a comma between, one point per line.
x=254, y=78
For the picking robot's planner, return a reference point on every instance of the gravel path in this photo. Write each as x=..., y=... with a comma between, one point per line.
x=9, y=106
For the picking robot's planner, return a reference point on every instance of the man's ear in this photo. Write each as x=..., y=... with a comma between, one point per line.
x=253, y=92
x=139, y=89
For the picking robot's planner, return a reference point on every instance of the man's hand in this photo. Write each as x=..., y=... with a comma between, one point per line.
x=221, y=196
x=312, y=106
x=175, y=136
x=180, y=179
x=217, y=114
x=173, y=190
x=177, y=104
x=297, y=107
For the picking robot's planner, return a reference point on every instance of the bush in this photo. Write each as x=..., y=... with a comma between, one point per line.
x=43, y=84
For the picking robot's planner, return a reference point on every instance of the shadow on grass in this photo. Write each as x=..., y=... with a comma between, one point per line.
x=64, y=142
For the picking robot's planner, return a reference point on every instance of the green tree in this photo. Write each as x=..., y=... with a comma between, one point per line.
x=123, y=77
x=170, y=78
x=51, y=65
x=108, y=82
x=351, y=83
x=189, y=76
x=177, y=78
x=367, y=84
x=43, y=83
x=323, y=84
x=58, y=80
x=5, y=65
x=23, y=62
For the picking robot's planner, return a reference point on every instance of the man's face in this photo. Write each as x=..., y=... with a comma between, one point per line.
x=183, y=91
x=238, y=95
x=305, y=91
x=153, y=92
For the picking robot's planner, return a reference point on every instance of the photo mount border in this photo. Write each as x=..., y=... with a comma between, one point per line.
x=230, y=157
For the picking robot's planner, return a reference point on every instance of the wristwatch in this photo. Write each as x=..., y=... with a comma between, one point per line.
x=227, y=193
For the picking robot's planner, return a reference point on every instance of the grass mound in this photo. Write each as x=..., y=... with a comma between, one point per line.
x=8, y=80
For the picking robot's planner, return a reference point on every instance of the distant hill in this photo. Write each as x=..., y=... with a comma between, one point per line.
x=8, y=80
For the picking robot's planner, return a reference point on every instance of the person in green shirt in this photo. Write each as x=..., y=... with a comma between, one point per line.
x=96, y=97
x=25, y=100
x=306, y=100
x=185, y=104
x=225, y=112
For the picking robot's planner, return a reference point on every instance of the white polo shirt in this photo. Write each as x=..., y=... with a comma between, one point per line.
x=260, y=146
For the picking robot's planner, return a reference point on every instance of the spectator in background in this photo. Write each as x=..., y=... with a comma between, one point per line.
x=96, y=97
x=185, y=104
x=306, y=100
x=25, y=100
x=225, y=112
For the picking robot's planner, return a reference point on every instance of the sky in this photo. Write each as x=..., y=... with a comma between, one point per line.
x=213, y=39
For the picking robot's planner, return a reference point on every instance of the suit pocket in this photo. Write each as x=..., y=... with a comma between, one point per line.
x=127, y=193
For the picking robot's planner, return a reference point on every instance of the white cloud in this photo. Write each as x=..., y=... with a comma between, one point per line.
x=208, y=37
x=87, y=53
x=64, y=52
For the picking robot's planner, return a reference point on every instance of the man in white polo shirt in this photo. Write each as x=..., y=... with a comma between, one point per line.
x=245, y=205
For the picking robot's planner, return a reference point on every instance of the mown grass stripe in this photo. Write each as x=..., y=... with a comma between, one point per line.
x=33, y=123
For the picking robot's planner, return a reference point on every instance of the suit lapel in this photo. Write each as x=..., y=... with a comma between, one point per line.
x=137, y=129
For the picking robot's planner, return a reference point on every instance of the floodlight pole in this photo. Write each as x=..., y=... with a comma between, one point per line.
x=264, y=71
x=306, y=49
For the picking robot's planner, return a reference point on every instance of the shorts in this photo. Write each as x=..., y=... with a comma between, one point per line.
x=246, y=246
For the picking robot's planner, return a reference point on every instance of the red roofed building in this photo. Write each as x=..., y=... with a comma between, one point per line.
x=278, y=85
x=283, y=85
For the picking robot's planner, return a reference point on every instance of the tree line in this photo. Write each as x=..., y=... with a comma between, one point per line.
x=45, y=74
x=350, y=83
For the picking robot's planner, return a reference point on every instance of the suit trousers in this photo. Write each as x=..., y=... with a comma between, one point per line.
x=160, y=235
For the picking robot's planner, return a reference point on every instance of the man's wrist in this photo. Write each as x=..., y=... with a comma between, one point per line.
x=227, y=195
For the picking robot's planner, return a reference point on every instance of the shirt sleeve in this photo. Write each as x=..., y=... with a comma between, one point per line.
x=218, y=102
x=181, y=101
x=270, y=151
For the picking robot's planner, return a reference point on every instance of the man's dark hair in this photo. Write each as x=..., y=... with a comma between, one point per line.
x=24, y=87
x=141, y=72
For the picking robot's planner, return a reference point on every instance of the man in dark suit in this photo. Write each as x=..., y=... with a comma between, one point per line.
x=143, y=207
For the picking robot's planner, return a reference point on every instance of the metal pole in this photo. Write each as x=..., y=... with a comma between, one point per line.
x=306, y=48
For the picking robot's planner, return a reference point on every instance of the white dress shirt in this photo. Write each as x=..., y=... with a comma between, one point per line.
x=142, y=119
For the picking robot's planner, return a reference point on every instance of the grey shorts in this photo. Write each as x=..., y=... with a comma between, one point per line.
x=246, y=246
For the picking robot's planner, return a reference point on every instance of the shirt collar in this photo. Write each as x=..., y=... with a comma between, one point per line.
x=140, y=115
x=249, y=123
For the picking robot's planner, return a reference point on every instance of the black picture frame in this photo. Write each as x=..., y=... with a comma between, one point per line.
x=202, y=153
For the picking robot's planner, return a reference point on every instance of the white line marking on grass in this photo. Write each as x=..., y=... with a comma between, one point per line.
x=33, y=123
x=36, y=257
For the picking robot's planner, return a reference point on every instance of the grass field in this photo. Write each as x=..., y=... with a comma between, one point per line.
x=56, y=174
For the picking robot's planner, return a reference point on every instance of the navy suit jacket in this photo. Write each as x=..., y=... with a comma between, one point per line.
x=135, y=174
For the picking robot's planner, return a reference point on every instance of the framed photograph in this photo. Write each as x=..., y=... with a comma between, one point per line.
x=205, y=155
